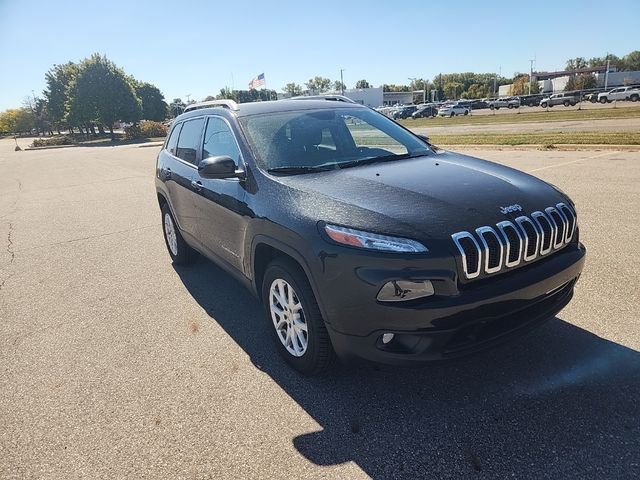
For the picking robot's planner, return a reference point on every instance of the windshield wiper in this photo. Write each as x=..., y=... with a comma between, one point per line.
x=381, y=158
x=300, y=169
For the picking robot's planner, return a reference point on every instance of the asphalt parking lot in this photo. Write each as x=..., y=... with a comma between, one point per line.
x=114, y=364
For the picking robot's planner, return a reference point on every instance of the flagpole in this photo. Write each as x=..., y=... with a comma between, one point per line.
x=265, y=85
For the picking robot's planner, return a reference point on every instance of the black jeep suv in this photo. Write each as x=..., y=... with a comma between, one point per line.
x=360, y=239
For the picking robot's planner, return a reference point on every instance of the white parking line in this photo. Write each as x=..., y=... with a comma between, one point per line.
x=572, y=161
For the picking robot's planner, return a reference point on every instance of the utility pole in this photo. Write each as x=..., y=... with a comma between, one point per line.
x=530, y=74
x=341, y=82
x=606, y=74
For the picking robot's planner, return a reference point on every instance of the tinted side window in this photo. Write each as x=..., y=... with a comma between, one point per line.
x=189, y=140
x=173, y=139
x=219, y=141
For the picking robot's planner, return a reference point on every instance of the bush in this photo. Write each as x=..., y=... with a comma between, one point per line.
x=52, y=141
x=146, y=129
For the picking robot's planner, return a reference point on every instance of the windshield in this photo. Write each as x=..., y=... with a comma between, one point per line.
x=325, y=139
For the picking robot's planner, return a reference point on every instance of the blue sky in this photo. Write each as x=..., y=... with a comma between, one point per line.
x=198, y=47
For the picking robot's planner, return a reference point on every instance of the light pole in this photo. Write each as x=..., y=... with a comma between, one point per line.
x=530, y=74
x=341, y=82
x=412, y=85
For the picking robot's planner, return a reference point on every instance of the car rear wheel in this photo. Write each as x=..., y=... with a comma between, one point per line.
x=543, y=105
x=634, y=98
x=180, y=252
x=452, y=114
x=492, y=107
x=510, y=106
x=566, y=103
x=466, y=112
x=294, y=319
x=603, y=100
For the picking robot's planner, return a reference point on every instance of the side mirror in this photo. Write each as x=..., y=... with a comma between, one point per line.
x=424, y=138
x=219, y=167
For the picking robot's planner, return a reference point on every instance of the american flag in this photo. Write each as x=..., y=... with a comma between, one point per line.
x=256, y=82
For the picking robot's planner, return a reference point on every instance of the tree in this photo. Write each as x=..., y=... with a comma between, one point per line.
x=453, y=90
x=318, y=84
x=520, y=85
x=293, y=89
x=59, y=79
x=576, y=63
x=395, y=88
x=153, y=105
x=177, y=106
x=17, y=120
x=102, y=93
x=338, y=86
x=362, y=84
x=631, y=61
x=583, y=81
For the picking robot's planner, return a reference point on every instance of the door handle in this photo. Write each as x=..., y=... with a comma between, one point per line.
x=197, y=186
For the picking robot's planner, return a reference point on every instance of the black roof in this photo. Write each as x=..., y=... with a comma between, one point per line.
x=274, y=106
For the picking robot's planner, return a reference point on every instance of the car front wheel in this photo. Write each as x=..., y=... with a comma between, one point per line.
x=294, y=319
x=180, y=252
x=603, y=100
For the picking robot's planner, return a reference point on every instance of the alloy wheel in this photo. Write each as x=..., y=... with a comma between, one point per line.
x=288, y=317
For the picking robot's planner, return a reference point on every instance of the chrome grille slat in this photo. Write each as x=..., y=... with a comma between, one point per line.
x=511, y=243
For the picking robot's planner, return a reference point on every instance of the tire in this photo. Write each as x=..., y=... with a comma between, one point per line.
x=179, y=251
x=566, y=103
x=466, y=112
x=543, y=105
x=317, y=357
x=634, y=97
x=492, y=107
x=510, y=106
x=452, y=115
x=603, y=100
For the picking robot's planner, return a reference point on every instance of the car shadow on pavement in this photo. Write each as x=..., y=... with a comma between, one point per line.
x=558, y=403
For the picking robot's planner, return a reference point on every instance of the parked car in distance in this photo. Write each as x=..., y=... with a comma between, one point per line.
x=359, y=239
x=404, y=112
x=504, y=102
x=566, y=99
x=426, y=111
x=453, y=110
x=620, y=93
x=479, y=104
x=531, y=100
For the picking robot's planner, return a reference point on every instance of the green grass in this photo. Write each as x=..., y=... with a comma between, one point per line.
x=540, y=138
x=555, y=114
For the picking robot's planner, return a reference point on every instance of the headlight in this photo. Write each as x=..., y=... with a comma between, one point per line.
x=373, y=241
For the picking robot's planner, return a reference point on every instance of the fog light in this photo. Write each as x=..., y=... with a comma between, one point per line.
x=387, y=337
x=405, y=290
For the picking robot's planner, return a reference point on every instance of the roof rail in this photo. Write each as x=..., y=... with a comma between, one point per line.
x=334, y=98
x=230, y=104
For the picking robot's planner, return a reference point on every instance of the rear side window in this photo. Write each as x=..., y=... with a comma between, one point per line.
x=189, y=140
x=220, y=141
x=173, y=139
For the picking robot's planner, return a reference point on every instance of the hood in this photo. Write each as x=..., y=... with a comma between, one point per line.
x=434, y=195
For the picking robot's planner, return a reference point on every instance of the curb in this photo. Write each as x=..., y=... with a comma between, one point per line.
x=50, y=147
x=560, y=147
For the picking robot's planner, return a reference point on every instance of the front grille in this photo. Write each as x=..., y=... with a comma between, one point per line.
x=510, y=244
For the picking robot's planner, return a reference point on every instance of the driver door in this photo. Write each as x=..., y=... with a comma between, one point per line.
x=220, y=203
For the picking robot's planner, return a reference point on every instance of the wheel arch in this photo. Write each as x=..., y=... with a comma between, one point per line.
x=264, y=249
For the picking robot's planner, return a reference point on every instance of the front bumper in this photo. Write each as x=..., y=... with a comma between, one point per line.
x=458, y=320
